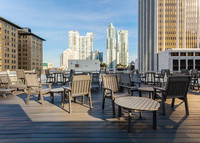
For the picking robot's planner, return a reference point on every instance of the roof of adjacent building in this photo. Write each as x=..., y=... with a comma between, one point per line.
x=7, y=21
x=29, y=33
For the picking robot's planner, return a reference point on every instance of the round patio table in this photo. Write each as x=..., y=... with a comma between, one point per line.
x=137, y=104
x=56, y=90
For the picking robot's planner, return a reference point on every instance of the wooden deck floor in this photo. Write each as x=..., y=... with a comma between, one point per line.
x=50, y=123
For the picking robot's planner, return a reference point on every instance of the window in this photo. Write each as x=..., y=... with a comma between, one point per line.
x=183, y=64
x=197, y=54
x=183, y=54
x=190, y=53
x=174, y=54
x=175, y=65
x=197, y=64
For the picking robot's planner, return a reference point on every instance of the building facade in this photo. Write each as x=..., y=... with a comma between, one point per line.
x=73, y=42
x=8, y=45
x=163, y=25
x=30, y=53
x=67, y=55
x=111, y=47
x=98, y=56
x=122, y=47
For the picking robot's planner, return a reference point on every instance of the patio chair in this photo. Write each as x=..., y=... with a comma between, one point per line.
x=79, y=87
x=126, y=83
x=185, y=71
x=6, y=83
x=4, y=89
x=49, y=77
x=194, y=79
x=20, y=76
x=39, y=73
x=35, y=88
x=160, y=76
x=111, y=89
x=95, y=80
x=177, y=87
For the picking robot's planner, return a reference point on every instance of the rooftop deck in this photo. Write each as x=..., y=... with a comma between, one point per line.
x=51, y=123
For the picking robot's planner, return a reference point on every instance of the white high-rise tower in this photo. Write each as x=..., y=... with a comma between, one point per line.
x=73, y=42
x=122, y=47
x=111, y=47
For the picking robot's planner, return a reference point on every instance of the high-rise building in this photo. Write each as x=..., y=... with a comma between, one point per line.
x=30, y=53
x=111, y=47
x=67, y=55
x=8, y=45
x=163, y=25
x=122, y=47
x=73, y=42
x=98, y=56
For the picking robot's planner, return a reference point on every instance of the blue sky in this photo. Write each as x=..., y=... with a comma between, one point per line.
x=52, y=19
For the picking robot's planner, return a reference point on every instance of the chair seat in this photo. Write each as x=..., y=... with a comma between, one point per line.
x=117, y=95
x=18, y=86
x=44, y=91
x=6, y=90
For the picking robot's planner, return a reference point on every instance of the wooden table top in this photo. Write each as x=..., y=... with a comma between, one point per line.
x=137, y=103
x=57, y=90
x=147, y=89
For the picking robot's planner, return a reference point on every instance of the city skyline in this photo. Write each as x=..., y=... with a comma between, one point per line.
x=53, y=19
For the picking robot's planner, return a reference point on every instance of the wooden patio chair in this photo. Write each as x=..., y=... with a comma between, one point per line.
x=4, y=89
x=39, y=73
x=20, y=76
x=35, y=88
x=111, y=89
x=126, y=83
x=6, y=83
x=95, y=80
x=79, y=87
x=49, y=77
x=160, y=76
x=177, y=87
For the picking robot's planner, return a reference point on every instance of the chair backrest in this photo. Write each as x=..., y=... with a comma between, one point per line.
x=177, y=86
x=38, y=72
x=167, y=72
x=162, y=72
x=5, y=78
x=81, y=84
x=185, y=71
x=110, y=81
x=125, y=79
x=194, y=72
x=136, y=78
x=20, y=74
x=95, y=77
x=32, y=80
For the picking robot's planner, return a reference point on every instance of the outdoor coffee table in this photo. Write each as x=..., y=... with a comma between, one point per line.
x=150, y=90
x=137, y=104
x=56, y=90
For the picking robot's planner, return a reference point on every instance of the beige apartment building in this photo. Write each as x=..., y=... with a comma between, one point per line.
x=8, y=45
x=30, y=50
x=19, y=48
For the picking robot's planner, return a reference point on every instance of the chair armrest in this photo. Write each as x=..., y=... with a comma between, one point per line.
x=67, y=88
x=49, y=84
x=159, y=88
x=33, y=86
x=4, y=83
x=125, y=86
x=107, y=89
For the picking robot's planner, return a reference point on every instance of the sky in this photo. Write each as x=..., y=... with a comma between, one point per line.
x=53, y=19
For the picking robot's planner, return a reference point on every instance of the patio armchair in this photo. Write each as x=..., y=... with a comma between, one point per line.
x=4, y=90
x=111, y=89
x=39, y=73
x=126, y=83
x=95, y=80
x=177, y=87
x=50, y=78
x=160, y=76
x=35, y=88
x=20, y=76
x=79, y=87
x=6, y=83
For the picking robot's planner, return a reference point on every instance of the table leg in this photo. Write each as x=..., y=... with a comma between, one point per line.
x=119, y=111
x=129, y=121
x=52, y=97
x=154, y=120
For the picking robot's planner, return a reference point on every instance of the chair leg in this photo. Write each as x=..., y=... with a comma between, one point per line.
x=103, y=103
x=42, y=99
x=83, y=100
x=4, y=95
x=38, y=96
x=163, y=105
x=28, y=98
x=113, y=107
x=70, y=109
x=186, y=106
x=173, y=100
x=90, y=100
